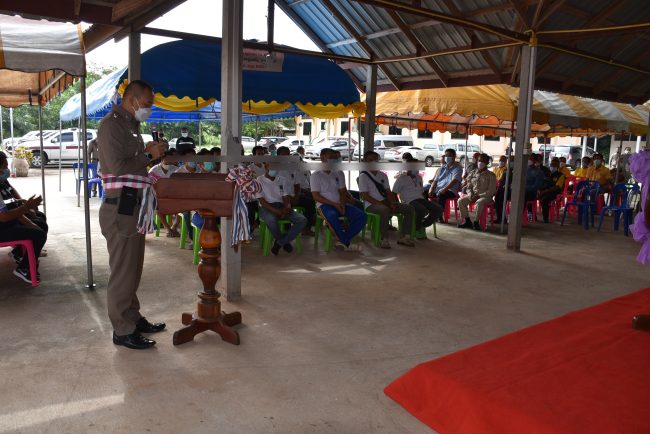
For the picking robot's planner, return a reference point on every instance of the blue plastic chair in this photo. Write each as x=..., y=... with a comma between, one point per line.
x=93, y=177
x=619, y=202
x=585, y=201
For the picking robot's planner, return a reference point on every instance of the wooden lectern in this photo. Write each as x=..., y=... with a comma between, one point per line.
x=211, y=196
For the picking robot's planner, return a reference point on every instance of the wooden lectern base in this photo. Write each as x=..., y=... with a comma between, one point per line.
x=208, y=315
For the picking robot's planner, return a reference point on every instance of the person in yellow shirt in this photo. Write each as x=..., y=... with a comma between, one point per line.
x=565, y=170
x=501, y=168
x=599, y=172
x=581, y=172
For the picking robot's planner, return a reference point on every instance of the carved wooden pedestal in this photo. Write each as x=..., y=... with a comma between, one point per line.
x=208, y=315
x=212, y=197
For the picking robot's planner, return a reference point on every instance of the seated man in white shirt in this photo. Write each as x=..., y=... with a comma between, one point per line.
x=379, y=199
x=408, y=187
x=326, y=191
x=296, y=178
x=275, y=204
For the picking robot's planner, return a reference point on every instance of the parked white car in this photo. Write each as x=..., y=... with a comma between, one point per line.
x=432, y=153
x=65, y=146
x=292, y=144
x=338, y=143
x=384, y=142
x=395, y=154
x=32, y=135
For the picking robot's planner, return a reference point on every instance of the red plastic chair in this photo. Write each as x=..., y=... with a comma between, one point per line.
x=487, y=209
x=28, y=247
x=447, y=211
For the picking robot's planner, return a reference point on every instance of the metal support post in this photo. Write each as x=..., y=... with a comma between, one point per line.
x=231, y=94
x=505, y=190
x=134, y=56
x=60, y=155
x=522, y=144
x=371, y=102
x=40, y=129
x=83, y=142
x=584, y=146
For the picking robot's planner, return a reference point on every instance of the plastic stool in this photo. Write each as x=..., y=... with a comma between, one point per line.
x=28, y=247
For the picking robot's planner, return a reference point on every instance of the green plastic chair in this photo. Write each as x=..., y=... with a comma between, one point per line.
x=197, y=245
x=266, y=237
x=423, y=231
x=158, y=223
x=183, y=239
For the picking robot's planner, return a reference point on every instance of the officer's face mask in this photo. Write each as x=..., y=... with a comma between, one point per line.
x=142, y=113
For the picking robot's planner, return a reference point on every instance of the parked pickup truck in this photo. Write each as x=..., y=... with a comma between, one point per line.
x=65, y=146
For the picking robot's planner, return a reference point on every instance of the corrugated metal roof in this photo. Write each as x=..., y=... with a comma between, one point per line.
x=382, y=30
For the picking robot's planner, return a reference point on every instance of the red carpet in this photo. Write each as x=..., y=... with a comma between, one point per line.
x=585, y=372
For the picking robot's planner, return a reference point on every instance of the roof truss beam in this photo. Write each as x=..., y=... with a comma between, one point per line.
x=418, y=46
x=347, y=25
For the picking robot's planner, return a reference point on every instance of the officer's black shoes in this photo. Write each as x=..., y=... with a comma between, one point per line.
x=144, y=326
x=135, y=341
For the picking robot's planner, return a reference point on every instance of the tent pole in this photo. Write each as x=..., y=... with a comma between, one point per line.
x=371, y=105
x=11, y=127
x=359, y=136
x=595, y=143
x=505, y=188
x=638, y=143
x=60, y=155
x=466, y=145
x=584, y=146
x=619, y=150
x=522, y=143
x=200, y=134
x=350, y=149
x=2, y=136
x=231, y=105
x=40, y=129
x=79, y=168
x=134, y=56
x=82, y=142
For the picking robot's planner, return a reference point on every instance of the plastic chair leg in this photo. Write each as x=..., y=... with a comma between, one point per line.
x=156, y=221
x=196, y=246
x=600, y=222
x=183, y=237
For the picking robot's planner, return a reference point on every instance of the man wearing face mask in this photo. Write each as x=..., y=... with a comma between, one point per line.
x=501, y=168
x=275, y=204
x=565, y=170
x=599, y=172
x=185, y=143
x=408, y=187
x=581, y=172
x=125, y=158
x=446, y=184
x=164, y=170
x=480, y=191
x=555, y=186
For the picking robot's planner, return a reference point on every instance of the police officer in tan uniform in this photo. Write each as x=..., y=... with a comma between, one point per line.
x=125, y=157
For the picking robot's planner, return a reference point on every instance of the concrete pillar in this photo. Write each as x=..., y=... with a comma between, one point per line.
x=231, y=94
x=371, y=102
x=522, y=144
x=134, y=56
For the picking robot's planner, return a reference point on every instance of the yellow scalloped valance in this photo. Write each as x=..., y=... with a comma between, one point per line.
x=321, y=111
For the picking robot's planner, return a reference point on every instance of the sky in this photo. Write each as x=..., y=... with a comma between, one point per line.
x=204, y=17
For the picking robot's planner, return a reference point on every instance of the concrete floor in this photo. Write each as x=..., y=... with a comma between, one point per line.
x=323, y=334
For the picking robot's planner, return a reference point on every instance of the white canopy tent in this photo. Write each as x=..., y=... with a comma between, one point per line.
x=38, y=60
